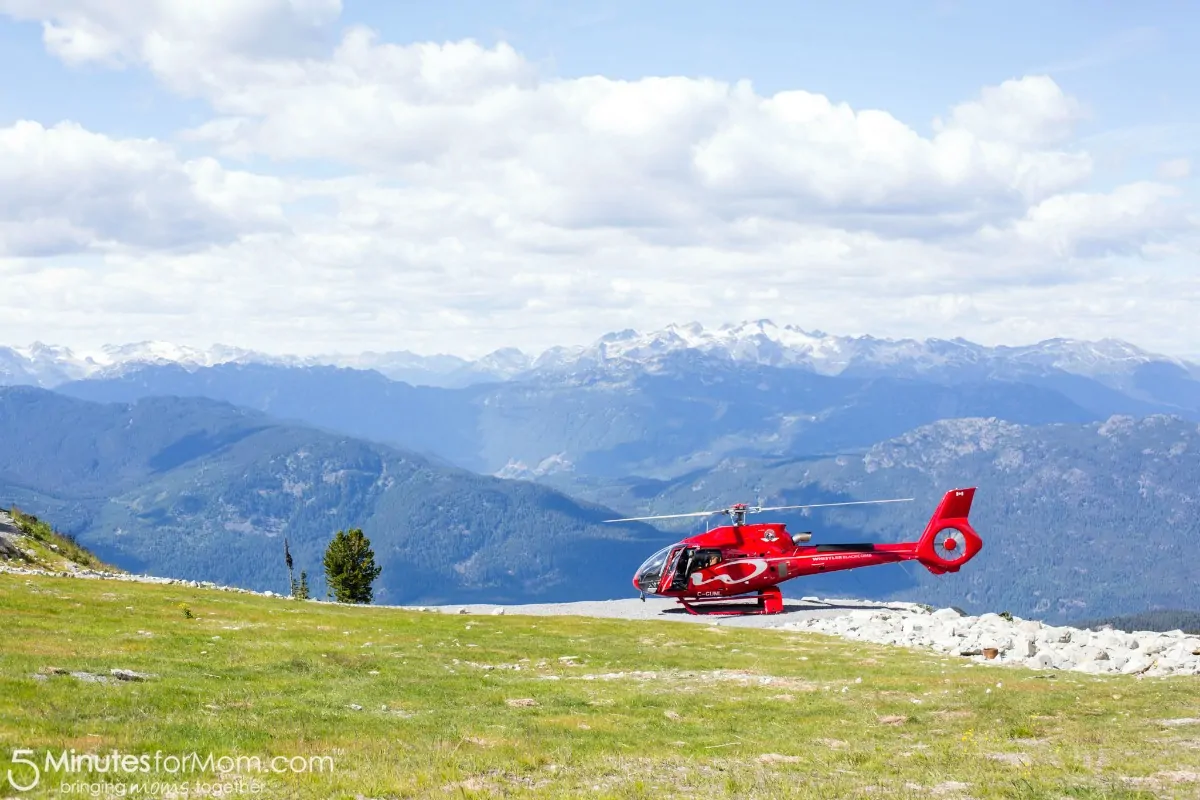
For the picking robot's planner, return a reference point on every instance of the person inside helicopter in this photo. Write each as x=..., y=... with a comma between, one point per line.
x=705, y=559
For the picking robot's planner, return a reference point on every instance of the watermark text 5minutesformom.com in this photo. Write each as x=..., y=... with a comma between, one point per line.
x=28, y=767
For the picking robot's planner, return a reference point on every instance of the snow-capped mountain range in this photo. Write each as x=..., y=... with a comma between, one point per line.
x=760, y=342
x=763, y=342
x=50, y=365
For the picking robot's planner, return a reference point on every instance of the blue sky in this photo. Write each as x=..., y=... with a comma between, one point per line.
x=156, y=95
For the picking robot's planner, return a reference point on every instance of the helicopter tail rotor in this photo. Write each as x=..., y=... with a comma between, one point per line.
x=949, y=541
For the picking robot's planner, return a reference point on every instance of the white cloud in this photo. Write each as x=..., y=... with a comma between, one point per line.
x=1174, y=169
x=490, y=204
x=595, y=151
x=64, y=189
x=1092, y=224
x=459, y=112
x=166, y=33
x=1031, y=110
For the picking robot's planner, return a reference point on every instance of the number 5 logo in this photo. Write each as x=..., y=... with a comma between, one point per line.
x=22, y=757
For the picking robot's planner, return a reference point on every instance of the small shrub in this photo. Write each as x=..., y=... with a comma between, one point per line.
x=1021, y=732
x=187, y=612
x=300, y=587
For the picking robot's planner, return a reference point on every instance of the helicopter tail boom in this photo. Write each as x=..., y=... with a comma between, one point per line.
x=949, y=541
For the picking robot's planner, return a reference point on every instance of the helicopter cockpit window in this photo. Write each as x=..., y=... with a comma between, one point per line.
x=651, y=570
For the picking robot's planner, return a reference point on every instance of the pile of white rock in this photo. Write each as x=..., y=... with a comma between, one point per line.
x=1002, y=639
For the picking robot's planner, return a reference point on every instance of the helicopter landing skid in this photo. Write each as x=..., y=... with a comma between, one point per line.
x=766, y=601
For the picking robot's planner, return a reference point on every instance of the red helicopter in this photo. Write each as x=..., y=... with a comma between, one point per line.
x=740, y=561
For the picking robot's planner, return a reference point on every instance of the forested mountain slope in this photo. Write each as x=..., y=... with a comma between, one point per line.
x=200, y=489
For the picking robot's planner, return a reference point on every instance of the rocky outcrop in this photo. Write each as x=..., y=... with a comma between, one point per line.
x=1002, y=639
x=10, y=535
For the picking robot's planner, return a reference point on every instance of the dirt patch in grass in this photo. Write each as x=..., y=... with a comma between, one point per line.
x=1012, y=759
x=521, y=702
x=686, y=679
x=776, y=758
x=1164, y=779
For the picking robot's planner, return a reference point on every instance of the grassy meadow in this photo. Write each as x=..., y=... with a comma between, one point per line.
x=420, y=704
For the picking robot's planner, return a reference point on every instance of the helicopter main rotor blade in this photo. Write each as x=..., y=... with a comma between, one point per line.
x=829, y=505
x=756, y=509
x=669, y=516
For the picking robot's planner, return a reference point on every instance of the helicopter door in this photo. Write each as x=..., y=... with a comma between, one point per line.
x=683, y=564
x=692, y=560
x=676, y=565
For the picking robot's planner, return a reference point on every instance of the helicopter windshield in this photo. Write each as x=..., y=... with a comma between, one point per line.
x=651, y=571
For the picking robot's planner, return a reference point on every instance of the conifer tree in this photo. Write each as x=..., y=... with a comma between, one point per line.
x=350, y=567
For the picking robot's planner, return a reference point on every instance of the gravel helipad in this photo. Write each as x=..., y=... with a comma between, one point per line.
x=657, y=608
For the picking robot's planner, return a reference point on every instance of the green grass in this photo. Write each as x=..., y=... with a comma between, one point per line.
x=263, y=677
